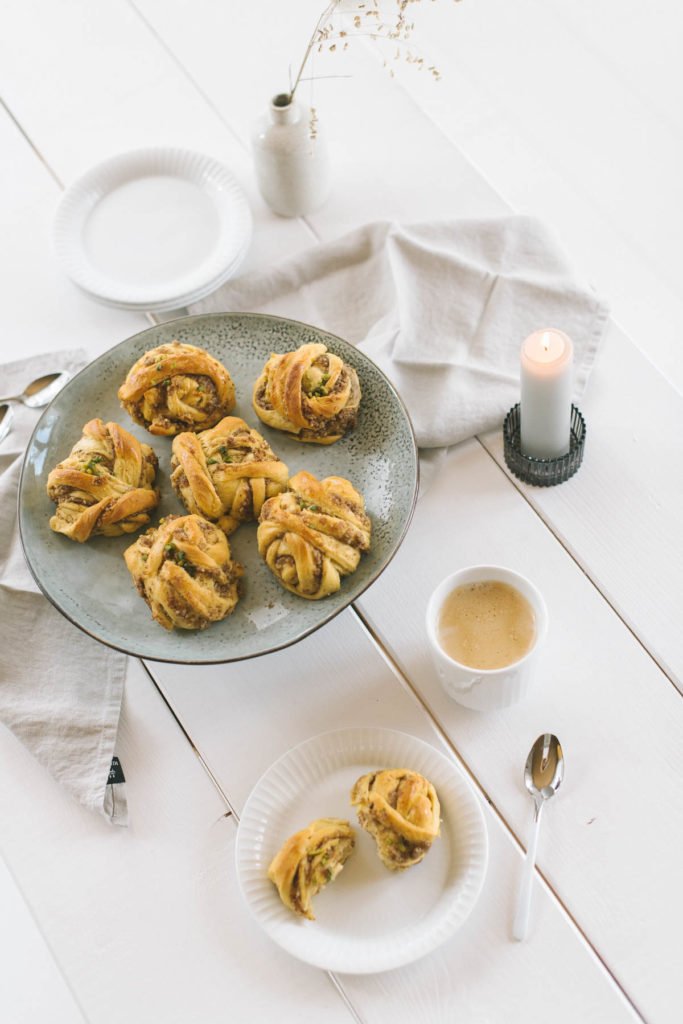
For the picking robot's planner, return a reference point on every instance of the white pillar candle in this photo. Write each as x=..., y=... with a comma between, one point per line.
x=546, y=393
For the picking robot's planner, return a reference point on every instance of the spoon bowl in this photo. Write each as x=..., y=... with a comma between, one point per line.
x=544, y=769
x=40, y=391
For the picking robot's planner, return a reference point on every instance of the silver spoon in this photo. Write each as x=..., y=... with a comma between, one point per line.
x=6, y=417
x=543, y=773
x=40, y=391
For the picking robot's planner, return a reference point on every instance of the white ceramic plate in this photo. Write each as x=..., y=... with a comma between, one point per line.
x=369, y=919
x=153, y=228
x=181, y=301
x=178, y=301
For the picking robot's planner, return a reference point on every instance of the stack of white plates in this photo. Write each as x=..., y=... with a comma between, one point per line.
x=154, y=229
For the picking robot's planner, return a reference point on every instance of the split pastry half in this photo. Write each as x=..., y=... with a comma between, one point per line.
x=401, y=811
x=313, y=534
x=177, y=387
x=105, y=486
x=184, y=571
x=309, y=393
x=309, y=860
x=225, y=474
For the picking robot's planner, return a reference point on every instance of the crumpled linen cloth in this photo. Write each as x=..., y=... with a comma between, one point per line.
x=60, y=691
x=443, y=308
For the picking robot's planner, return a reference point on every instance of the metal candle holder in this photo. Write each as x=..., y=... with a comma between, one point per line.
x=543, y=472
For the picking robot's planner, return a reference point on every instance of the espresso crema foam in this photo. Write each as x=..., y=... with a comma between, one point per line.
x=486, y=625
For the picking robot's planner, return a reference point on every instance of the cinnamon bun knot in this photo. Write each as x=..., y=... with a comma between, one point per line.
x=310, y=393
x=184, y=571
x=105, y=486
x=225, y=474
x=177, y=387
x=310, y=860
x=314, y=534
x=401, y=811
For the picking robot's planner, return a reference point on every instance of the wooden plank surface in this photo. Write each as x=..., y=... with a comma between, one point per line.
x=130, y=102
x=620, y=515
x=250, y=713
x=635, y=414
x=572, y=112
x=184, y=76
x=42, y=310
x=618, y=717
x=146, y=922
x=32, y=987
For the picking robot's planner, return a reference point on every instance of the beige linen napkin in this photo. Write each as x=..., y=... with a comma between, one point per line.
x=442, y=307
x=60, y=691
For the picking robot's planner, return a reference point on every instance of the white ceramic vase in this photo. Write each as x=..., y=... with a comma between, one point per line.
x=291, y=159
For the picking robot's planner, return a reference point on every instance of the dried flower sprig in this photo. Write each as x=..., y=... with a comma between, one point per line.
x=369, y=19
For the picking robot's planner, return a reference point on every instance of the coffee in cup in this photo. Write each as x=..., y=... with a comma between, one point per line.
x=486, y=624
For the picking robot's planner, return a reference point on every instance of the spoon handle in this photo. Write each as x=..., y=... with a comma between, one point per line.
x=6, y=421
x=521, y=922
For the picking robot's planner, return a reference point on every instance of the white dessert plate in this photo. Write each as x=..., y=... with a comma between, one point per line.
x=369, y=919
x=153, y=228
x=177, y=302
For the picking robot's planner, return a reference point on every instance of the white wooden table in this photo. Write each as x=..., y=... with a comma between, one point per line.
x=146, y=924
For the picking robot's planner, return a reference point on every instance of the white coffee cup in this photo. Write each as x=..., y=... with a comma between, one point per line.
x=493, y=688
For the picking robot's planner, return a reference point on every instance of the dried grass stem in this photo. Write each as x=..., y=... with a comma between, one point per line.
x=392, y=28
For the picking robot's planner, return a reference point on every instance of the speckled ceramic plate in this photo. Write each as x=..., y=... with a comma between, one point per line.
x=369, y=919
x=89, y=583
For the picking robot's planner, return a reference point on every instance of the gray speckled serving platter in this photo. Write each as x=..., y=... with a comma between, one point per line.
x=90, y=584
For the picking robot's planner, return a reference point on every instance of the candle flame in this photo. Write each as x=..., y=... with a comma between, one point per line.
x=546, y=340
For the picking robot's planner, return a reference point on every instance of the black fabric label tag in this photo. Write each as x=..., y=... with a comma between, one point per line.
x=115, y=772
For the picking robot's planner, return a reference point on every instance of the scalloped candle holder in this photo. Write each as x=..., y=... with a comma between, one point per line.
x=543, y=472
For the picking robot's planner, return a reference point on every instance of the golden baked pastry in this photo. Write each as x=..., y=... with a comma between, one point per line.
x=225, y=474
x=309, y=860
x=105, y=486
x=184, y=571
x=401, y=811
x=177, y=387
x=313, y=534
x=310, y=393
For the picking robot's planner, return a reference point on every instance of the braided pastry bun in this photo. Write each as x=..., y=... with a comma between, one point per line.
x=183, y=570
x=105, y=486
x=310, y=393
x=177, y=387
x=313, y=534
x=226, y=473
x=309, y=860
x=401, y=811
